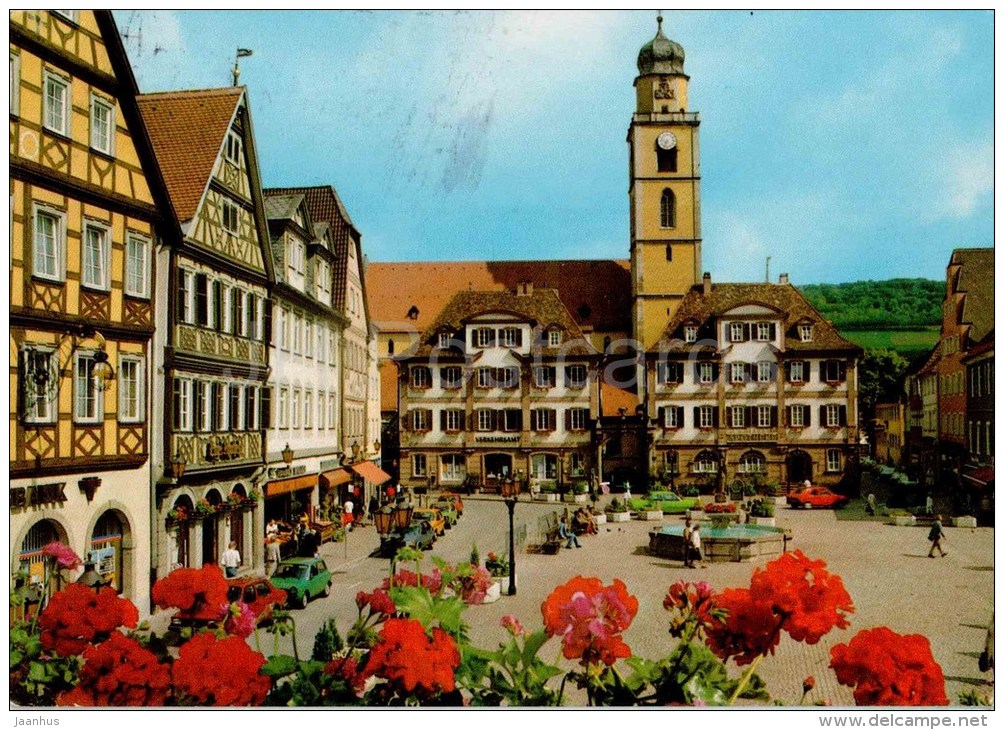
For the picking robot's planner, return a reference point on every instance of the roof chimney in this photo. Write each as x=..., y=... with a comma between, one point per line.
x=782, y=279
x=707, y=283
x=524, y=289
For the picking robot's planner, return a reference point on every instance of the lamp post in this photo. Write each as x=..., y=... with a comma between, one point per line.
x=510, y=493
x=91, y=578
x=384, y=522
x=287, y=455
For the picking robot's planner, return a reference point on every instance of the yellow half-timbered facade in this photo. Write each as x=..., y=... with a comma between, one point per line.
x=85, y=217
x=213, y=330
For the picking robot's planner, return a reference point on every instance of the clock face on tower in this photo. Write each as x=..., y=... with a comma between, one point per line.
x=666, y=141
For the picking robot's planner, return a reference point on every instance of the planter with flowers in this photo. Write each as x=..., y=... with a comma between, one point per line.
x=203, y=508
x=410, y=646
x=178, y=515
x=617, y=511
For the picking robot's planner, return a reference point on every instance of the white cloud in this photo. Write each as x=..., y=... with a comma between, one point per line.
x=968, y=179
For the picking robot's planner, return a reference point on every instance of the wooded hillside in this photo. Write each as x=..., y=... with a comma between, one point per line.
x=890, y=304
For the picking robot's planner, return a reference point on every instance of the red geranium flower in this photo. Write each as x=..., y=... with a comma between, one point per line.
x=690, y=602
x=77, y=617
x=589, y=617
x=406, y=578
x=119, y=673
x=886, y=668
x=193, y=589
x=412, y=660
x=809, y=599
x=241, y=620
x=748, y=629
x=219, y=672
x=378, y=601
x=347, y=668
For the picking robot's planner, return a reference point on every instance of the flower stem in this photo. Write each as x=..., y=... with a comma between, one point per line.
x=745, y=679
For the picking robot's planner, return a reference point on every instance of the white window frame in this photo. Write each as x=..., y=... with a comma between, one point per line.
x=736, y=332
x=204, y=418
x=483, y=337
x=285, y=315
x=187, y=292
x=539, y=381
x=103, y=236
x=832, y=415
x=452, y=467
x=444, y=340
x=125, y=414
x=296, y=402
x=70, y=15
x=738, y=416
x=308, y=409
x=33, y=398
x=706, y=373
x=540, y=419
x=796, y=416
x=322, y=281
x=763, y=331
x=58, y=255
x=64, y=113
x=805, y=332
x=420, y=376
x=572, y=382
x=421, y=419
x=507, y=377
x=752, y=463
x=706, y=465
x=451, y=383
x=834, y=460
x=106, y=145
x=308, y=337
x=578, y=419
x=737, y=372
x=92, y=394
x=225, y=205
x=763, y=416
x=297, y=330
x=507, y=336
x=133, y=241
x=485, y=420
x=15, y=83
x=419, y=465
x=554, y=338
x=834, y=364
x=706, y=417
x=764, y=372
x=283, y=407
x=671, y=417
x=454, y=420
x=690, y=333
x=332, y=411
x=232, y=148
x=796, y=371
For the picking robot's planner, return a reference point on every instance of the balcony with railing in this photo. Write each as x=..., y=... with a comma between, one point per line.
x=216, y=450
x=218, y=344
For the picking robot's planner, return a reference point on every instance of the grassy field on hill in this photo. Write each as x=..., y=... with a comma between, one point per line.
x=907, y=343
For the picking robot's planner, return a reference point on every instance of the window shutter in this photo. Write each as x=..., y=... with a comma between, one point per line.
x=843, y=415
x=746, y=332
x=679, y=416
x=714, y=372
x=266, y=334
x=568, y=419
x=822, y=415
x=697, y=416
x=176, y=405
x=788, y=411
x=747, y=372
x=822, y=371
x=787, y=371
x=806, y=416
x=22, y=392
x=519, y=338
x=201, y=299
x=697, y=372
x=714, y=416
x=552, y=420
x=266, y=408
x=773, y=330
x=442, y=420
x=842, y=371
x=750, y=416
x=773, y=416
x=217, y=292
x=662, y=416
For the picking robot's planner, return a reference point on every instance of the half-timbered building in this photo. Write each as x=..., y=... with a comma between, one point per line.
x=86, y=200
x=213, y=327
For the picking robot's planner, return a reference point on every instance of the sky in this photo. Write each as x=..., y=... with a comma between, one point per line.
x=844, y=145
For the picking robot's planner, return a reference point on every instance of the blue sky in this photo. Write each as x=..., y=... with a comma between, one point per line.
x=844, y=145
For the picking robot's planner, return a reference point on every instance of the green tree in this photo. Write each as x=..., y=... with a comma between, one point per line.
x=880, y=379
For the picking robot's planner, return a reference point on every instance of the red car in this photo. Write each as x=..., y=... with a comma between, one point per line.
x=256, y=591
x=810, y=497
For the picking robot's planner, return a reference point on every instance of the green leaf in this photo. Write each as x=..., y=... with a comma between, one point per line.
x=279, y=665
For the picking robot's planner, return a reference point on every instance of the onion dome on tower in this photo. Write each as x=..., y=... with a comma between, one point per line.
x=660, y=55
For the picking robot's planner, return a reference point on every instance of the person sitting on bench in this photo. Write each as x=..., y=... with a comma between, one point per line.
x=567, y=534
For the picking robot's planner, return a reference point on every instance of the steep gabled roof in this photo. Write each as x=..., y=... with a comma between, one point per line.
x=783, y=298
x=281, y=207
x=976, y=281
x=187, y=130
x=325, y=206
x=542, y=308
x=597, y=293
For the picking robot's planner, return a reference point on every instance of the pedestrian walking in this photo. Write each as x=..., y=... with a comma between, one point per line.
x=936, y=535
x=687, y=530
x=230, y=560
x=347, y=514
x=695, y=546
x=272, y=555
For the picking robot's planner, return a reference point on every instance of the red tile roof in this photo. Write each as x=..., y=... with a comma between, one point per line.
x=388, y=385
x=976, y=280
x=614, y=398
x=596, y=293
x=187, y=129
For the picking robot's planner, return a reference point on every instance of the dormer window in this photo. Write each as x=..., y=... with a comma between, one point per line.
x=690, y=333
x=510, y=337
x=412, y=312
x=737, y=332
x=444, y=340
x=765, y=331
x=805, y=332
x=554, y=338
x=483, y=337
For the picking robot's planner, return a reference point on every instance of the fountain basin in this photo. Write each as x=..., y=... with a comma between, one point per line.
x=735, y=543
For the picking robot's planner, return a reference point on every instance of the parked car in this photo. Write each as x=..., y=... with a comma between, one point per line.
x=810, y=497
x=302, y=579
x=458, y=502
x=433, y=516
x=258, y=593
x=448, y=510
x=420, y=535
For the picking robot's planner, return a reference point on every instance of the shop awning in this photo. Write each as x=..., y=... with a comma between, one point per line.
x=282, y=486
x=980, y=477
x=335, y=477
x=371, y=472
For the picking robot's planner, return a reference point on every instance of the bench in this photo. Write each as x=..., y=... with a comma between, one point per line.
x=549, y=542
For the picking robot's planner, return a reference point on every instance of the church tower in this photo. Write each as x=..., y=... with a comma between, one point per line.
x=664, y=189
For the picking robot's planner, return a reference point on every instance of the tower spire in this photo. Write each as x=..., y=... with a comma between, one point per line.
x=658, y=19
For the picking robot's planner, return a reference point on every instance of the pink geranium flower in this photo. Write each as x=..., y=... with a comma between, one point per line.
x=64, y=555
